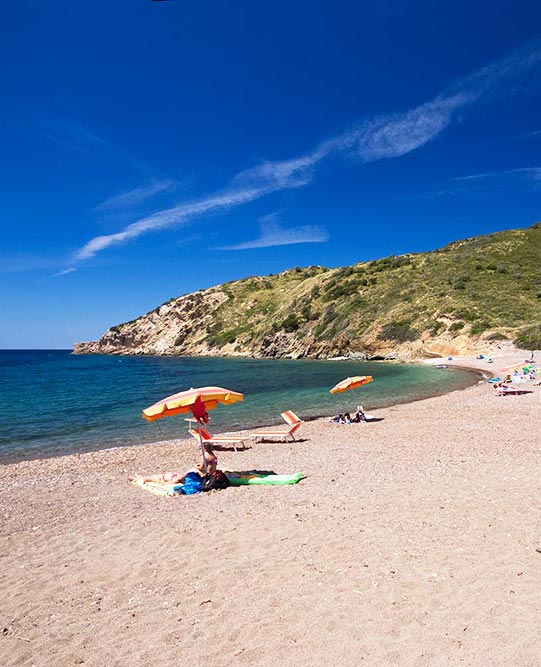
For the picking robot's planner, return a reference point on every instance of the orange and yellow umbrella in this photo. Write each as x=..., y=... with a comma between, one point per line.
x=197, y=401
x=351, y=383
x=184, y=401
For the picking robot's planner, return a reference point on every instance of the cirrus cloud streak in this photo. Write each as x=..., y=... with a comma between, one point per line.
x=382, y=137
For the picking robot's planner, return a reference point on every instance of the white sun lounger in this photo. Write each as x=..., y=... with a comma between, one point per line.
x=275, y=434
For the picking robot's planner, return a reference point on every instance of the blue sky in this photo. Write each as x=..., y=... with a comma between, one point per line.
x=150, y=149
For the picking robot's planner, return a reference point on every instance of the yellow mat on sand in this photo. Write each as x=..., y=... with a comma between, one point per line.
x=157, y=488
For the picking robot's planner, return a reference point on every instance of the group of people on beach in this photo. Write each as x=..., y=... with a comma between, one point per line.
x=208, y=464
x=529, y=373
x=358, y=417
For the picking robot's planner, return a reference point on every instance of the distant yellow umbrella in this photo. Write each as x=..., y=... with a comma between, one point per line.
x=351, y=383
x=198, y=402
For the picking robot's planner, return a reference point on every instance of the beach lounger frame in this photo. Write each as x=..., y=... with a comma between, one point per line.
x=223, y=439
x=290, y=418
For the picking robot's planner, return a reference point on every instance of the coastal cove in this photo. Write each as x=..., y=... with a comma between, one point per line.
x=54, y=402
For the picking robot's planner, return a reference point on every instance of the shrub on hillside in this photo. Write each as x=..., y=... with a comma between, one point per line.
x=218, y=336
x=497, y=336
x=291, y=323
x=529, y=338
x=436, y=327
x=398, y=332
x=478, y=328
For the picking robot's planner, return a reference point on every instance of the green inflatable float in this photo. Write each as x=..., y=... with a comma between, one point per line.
x=242, y=478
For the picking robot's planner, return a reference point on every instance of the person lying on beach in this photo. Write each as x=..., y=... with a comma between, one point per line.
x=338, y=419
x=346, y=418
x=179, y=478
x=504, y=384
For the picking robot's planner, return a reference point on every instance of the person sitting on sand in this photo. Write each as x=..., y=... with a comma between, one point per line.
x=179, y=478
x=360, y=415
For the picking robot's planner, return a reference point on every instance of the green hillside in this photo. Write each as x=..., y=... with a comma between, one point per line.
x=453, y=299
x=485, y=284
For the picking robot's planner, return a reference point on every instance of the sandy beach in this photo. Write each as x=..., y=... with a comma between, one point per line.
x=414, y=540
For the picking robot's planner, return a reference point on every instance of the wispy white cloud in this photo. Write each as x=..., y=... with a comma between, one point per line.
x=378, y=138
x=64, y=272
x=528, y=174
x=62, y=130
x=283, y=174
x=509, y=75
x=137, y=195
x=273, y=234
x=26, y=262
x=518, y=137
x=21, y=262
x=393, y=136
x=177, y=215
x=491, y=184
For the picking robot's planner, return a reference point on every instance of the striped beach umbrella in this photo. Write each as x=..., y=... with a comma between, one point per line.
x=184, y=401
x=196, y=401
x=351, y=383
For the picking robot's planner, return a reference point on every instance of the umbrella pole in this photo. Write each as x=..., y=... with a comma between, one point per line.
x=202, y=448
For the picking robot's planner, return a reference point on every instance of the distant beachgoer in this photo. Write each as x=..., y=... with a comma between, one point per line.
x=341, y=418
x=504, y=384
x=360, y=415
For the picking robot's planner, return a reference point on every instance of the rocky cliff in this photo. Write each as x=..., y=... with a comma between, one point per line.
x=455, y=300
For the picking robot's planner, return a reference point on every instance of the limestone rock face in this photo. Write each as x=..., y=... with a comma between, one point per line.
x=178, y=327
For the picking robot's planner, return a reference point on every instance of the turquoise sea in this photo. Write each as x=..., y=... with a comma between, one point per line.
x=53, y=402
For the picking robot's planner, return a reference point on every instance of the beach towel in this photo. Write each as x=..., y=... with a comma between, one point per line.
x=157, y=488
x=250, y=478
x=192, y=484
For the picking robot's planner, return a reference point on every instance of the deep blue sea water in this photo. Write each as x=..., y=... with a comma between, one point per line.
x=53, y=402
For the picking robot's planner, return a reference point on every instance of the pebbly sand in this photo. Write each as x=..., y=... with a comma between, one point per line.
x=413, y=540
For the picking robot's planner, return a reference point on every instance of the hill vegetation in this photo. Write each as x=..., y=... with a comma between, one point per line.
x=460, y=297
